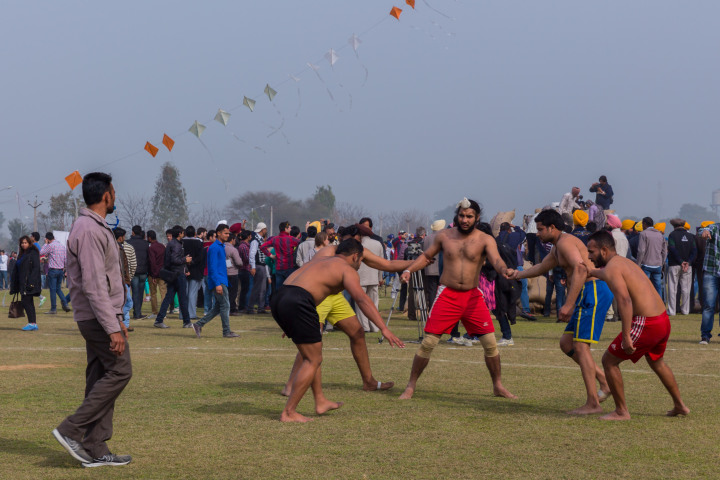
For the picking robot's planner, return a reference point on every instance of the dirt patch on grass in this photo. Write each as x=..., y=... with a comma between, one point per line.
x=36, y=366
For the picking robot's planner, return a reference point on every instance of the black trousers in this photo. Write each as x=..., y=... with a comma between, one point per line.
x=244, y=280
x=28, y=303
x=106, y=376
x=233, y=292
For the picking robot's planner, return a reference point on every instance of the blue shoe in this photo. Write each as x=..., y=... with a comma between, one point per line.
x=30, y=327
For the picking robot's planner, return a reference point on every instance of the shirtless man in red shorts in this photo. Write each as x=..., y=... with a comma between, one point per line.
x=464, y=250
x=645, y=324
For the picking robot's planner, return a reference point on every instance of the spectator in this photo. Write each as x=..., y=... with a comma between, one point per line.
x=682, y=252
x=174, y=265
x=26, y=279
x=284, y=245
x=603, y=192
x=258, y=270
x=193, y=247
x=569, y=203
x=580, y=220
x=711, y=280
x=129, y=264
x=652, y=252
x=233, y=262
x=244, y=275
x=141, y=247
x=4, y=283
x=54, y=253
x=306, y=248
x=156, y=259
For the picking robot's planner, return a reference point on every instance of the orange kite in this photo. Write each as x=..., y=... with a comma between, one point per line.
x=395, y=12
x=151, y=149
x=74, y=179
x=411, y=3
x=168, y=142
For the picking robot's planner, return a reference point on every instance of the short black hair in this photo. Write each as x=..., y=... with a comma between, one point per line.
x=294, y=231
x=211, y=233
x=119, y=232
x=312, y=231
x=176, y=231
x=94, y=186
x=231, y=237
x=190, y=231
x=36, y=236
x=245, y=234
x=221, y=227
x=151, y=235
x=329, y=225
x=484, y=227
x=550, y=217
x=50, y=236
x=284, y=225
x=137, y=230
x=647, y=222
x=505, y=227
x=603, y=179
x=168, y=231
x=348, y=247
x=366, y=219
x=201, y=230
x=603, y=238
x=350, y=230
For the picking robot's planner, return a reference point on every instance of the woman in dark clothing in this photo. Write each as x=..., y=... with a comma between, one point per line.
x=26, y=279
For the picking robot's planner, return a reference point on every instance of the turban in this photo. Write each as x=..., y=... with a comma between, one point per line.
x=627, y=224
x=660, y=227
x=437, y=225
x=580, y=218
x=613, y=221
x=706, y=223
x=638, y=227
x=236, y=228
x=686, y=226
x=317, y=226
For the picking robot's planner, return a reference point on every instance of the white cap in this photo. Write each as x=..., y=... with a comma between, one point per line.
x=222, y=222
x=260, y=226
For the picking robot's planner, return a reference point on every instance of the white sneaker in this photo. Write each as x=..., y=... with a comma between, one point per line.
x=704, y=341
x=505, y=342
x=460, y=341
x=42, y=300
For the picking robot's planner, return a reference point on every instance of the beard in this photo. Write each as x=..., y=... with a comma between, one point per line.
x=465, y=232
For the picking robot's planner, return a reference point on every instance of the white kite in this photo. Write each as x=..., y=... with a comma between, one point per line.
x=331, y=57
x=250, y=103
x=269, y=91
x=197, y=129
x=354, y=42
x=222, y=116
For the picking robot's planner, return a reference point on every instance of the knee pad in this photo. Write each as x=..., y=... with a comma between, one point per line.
x=489, y=344
x=427, y=346
x=570, y=352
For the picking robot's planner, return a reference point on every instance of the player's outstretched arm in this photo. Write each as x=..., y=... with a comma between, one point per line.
x=351, y=282
x=547, y=264
x=373, y=261
x=494, y=258
x=423, y=260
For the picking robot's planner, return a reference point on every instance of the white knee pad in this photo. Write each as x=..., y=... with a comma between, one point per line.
x=427, y=346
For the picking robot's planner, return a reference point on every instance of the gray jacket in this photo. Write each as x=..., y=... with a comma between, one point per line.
x=652, y=248
x=94, y=272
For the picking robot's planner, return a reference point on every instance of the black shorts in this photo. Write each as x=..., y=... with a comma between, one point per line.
x=293, y=308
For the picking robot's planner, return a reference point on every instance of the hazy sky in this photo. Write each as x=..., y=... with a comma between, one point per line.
x=508, y=102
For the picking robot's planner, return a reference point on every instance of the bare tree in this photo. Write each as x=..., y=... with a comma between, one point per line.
x=348, y=213
x=407, y=220
x=208, y=216
x=134, y=210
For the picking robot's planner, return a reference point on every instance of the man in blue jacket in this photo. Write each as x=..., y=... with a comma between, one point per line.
x=218, y=284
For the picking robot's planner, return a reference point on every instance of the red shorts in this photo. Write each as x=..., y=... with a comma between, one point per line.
x=467, y=306
x=649, y=336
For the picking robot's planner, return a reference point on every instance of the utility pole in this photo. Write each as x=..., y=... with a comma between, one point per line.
x=35, y=206
x=271, y=221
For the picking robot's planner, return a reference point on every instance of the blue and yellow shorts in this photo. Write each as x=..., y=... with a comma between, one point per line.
x=334, y=308
x=591, y=307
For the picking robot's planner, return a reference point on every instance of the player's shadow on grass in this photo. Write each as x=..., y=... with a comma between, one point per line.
x=240, y=408
x=54, y=457
x=486, y=402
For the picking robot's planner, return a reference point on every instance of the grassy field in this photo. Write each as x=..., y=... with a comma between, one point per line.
x=209, y=408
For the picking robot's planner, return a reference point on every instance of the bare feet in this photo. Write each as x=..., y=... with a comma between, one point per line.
x=294, y=417
x=503, y=392
x=378, y=386
x=586, y=410
x=407, y=394
x=614, y=415
x=326, y=406
x=677, y=411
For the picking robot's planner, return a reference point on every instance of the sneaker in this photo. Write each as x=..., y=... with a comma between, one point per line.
x=527, y=316
x=160, y=325
x=72, y=447
x=110, y=459
x=197, y=329
x=42, y=300
x=704, y=341
x=66, y=308
x=151, y=317
x=505, y=342
x=230, y=335
x=188, y=325
x=472, y=340
x=30, y=327
x=464, y=342
x=51, y=312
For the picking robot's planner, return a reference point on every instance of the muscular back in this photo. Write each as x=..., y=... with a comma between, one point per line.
x=623, y=274
x=463, y=256
x=323, y=276
x=568, y=252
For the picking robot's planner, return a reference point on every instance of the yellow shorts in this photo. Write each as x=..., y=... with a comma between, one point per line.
x=334, y=308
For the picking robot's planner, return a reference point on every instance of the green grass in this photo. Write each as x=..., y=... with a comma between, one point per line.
x=209, y=408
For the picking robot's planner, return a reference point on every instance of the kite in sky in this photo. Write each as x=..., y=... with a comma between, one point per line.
x=74, y=179
x=395, y=12
x=222, y=116
x=331, y=57
x=197, y=129
x=151, y=149
x=250, y=103
x=168, y=142
x=269, y=92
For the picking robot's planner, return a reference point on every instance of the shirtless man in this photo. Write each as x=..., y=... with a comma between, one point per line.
x=645, y=324
x=464, y=249
x=336, y=310
x=587, y=302
x=294, y=309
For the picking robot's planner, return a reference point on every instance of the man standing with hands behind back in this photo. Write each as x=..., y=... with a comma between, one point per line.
x=96, y=287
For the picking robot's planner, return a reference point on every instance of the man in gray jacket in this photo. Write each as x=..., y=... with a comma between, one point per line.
x=97, y=290
x=652, y=252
